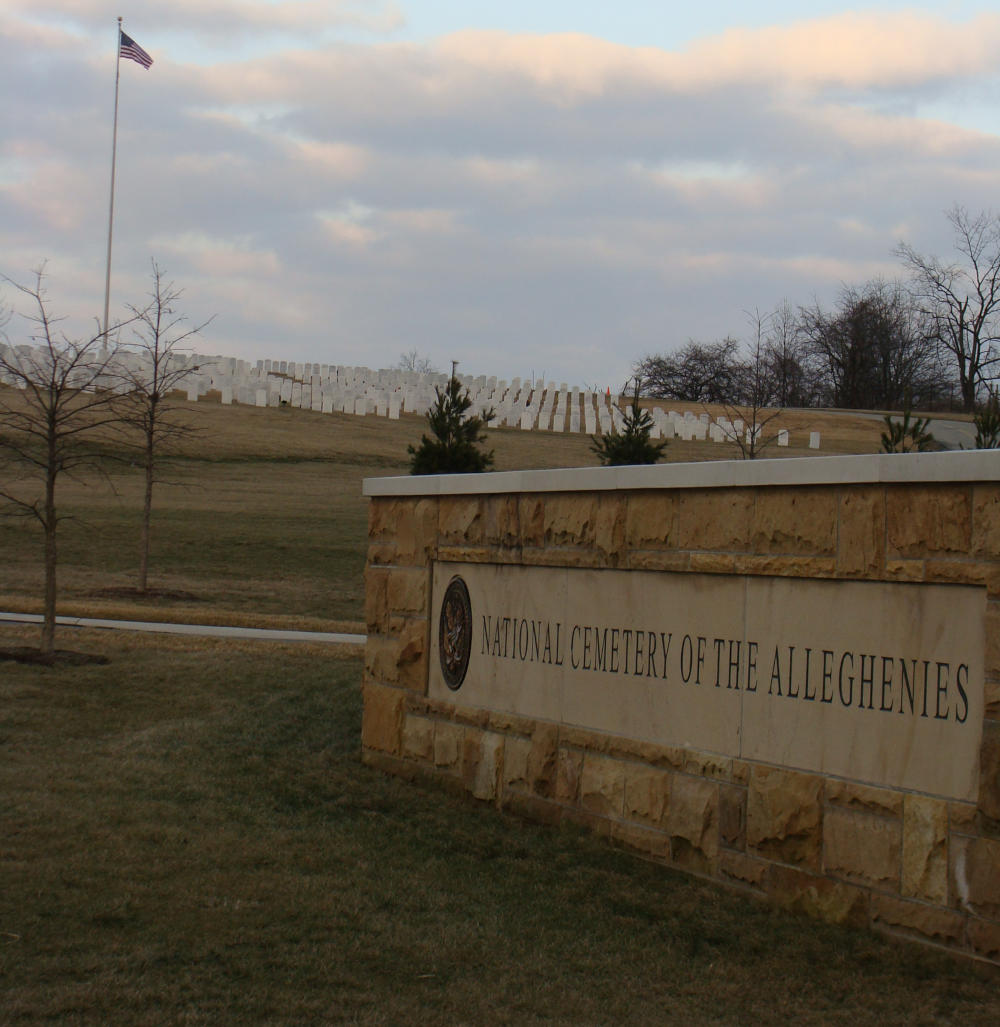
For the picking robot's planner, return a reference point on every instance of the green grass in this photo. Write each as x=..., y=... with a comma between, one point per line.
x=187, y=835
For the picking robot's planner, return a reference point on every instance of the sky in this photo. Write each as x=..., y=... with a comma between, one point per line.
x=535, y=189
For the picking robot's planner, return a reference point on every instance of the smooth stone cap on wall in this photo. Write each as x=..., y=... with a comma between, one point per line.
x=881, y=468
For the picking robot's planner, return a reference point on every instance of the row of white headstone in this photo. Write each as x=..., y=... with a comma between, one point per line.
x=329, y=388
x=515, y=404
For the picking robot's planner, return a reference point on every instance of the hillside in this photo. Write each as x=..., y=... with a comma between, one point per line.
x=260, y=519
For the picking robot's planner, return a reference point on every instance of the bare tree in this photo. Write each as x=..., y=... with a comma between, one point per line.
x=413, y=361
x=876, y=350
x=962, y=299
x=56, y=399
x=790, y=369
x=158, y=336
x=754, y=405
x=697, y=373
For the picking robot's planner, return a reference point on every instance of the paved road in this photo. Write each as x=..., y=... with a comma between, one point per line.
x=214, y=631
x=951, y=434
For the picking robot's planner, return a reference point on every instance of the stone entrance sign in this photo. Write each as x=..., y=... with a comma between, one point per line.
x=782, y=675
x=871, y=681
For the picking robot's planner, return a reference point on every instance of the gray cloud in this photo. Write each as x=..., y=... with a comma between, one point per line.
x=521, y=204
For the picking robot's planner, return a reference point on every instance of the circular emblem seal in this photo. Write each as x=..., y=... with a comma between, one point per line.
x=455, y=633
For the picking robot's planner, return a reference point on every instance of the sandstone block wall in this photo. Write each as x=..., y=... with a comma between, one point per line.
x=906, y=863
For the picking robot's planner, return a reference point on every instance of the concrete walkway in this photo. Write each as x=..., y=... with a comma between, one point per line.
x=214, y=631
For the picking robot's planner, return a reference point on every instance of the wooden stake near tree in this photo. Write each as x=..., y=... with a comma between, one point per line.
x=146, y=411
x=57, y=404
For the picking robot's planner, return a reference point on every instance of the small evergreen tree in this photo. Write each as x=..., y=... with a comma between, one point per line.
x=454, y=449
x=633, y=444
x=987, y=422
x=907, y=436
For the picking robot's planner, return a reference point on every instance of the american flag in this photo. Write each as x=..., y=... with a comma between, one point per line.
x=129, y=48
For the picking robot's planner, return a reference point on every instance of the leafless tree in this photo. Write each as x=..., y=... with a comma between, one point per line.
x=962, y=298
x=413, y=361
x=755, y=403
x=876, y=351
x=790, y=370
x=152, y=369
x=57, y=400
x=697, y=373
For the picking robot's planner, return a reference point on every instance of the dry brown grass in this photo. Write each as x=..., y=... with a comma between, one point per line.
x=263, y=522
x=276, y=433
x=187, y=836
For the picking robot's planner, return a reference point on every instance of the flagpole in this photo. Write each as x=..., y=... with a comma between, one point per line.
x=111, y=202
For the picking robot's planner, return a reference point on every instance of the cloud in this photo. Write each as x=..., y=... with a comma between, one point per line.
x=852, y=50
x=507, y=200
x=221, y=19
x=335, y=161
x=228, y=257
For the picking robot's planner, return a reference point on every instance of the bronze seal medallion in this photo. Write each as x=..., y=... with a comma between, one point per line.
x=455, y=633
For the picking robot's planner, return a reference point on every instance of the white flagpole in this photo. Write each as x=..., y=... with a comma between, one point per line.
x=111, y=204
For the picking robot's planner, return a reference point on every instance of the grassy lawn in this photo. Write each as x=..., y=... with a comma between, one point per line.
x=187, y=836
x=261, y=520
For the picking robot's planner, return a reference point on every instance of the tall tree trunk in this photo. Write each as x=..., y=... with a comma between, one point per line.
x=48, y=643
x=147, y=511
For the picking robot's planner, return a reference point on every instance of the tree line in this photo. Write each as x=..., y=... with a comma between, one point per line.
x=930, y=340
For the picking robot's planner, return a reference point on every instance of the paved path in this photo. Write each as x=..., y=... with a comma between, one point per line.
x=215, y=631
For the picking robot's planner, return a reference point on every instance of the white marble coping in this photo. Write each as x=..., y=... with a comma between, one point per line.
x=869, y=469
